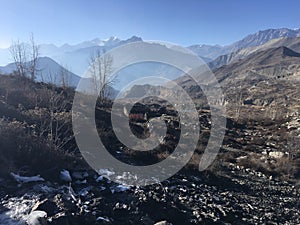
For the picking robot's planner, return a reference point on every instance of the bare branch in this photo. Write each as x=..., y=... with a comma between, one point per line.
x=19, y=54
x=100, y=70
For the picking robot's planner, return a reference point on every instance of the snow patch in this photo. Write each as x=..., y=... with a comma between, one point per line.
x=17, y=210
x=36, y=218
x=119, y=188
x=65, y=176
x=23, y=179
x=80, y=175
x=100, y=178
x=106, y=173
x=100, y=218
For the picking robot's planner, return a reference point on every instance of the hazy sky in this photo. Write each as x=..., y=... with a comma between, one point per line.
x=183, y=22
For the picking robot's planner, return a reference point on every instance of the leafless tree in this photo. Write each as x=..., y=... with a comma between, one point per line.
x=66, y=78
x=238, y=104
x=25, y=57
x=34, y=55
x=100, y=70
x=19, y=54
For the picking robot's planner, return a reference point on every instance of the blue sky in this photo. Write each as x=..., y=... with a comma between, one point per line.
x=183, y=22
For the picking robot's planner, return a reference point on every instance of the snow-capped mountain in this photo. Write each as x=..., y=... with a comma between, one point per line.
x=208, y=51
x=50, y=49
x=76, y=57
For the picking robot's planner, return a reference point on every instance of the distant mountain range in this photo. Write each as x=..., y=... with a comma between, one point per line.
x=256, y=39
x=74, y=59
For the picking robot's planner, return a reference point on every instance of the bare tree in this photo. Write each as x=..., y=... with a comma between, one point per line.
x=25, y=57
x=33, y=58
x=239, y=103
x=100, y=70
x=66, y=77
x=19, y=54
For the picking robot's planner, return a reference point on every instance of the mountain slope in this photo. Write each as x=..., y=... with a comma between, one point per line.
x=263, y=37
x=292, y=43
x=208, y=51
x=256, y=39
x=78, y=58
x=48, y=71
x=280, y=62
x=271, y=64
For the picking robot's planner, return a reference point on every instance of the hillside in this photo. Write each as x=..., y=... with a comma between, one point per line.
x=292, y=43
x=266, y=78
x=77, y=56
x=280, y=62
x=47, y=166
x=48, y=71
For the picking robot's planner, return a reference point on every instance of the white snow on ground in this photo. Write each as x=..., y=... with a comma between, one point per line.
x=106, y=173
x=119, y=188
x=22, y=179
x=102, y=218
x=100, y=178
x=65, y=176
x=16, y=210
x=36, y=217
x=80, y=175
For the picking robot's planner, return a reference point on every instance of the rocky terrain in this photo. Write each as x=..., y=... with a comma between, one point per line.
x=237, y=195
x=253, y=180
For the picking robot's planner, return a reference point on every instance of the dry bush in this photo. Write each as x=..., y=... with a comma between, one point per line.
x=21, y=150
x=254, y=163
x=36, y=129
x=284, y=167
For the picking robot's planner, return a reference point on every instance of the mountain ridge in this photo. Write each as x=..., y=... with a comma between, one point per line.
x=76, y=57
x=292, y=43
x=259, y=38
x=48, y=70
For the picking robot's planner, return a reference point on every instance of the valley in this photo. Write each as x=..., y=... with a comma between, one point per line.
x=254, y=179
